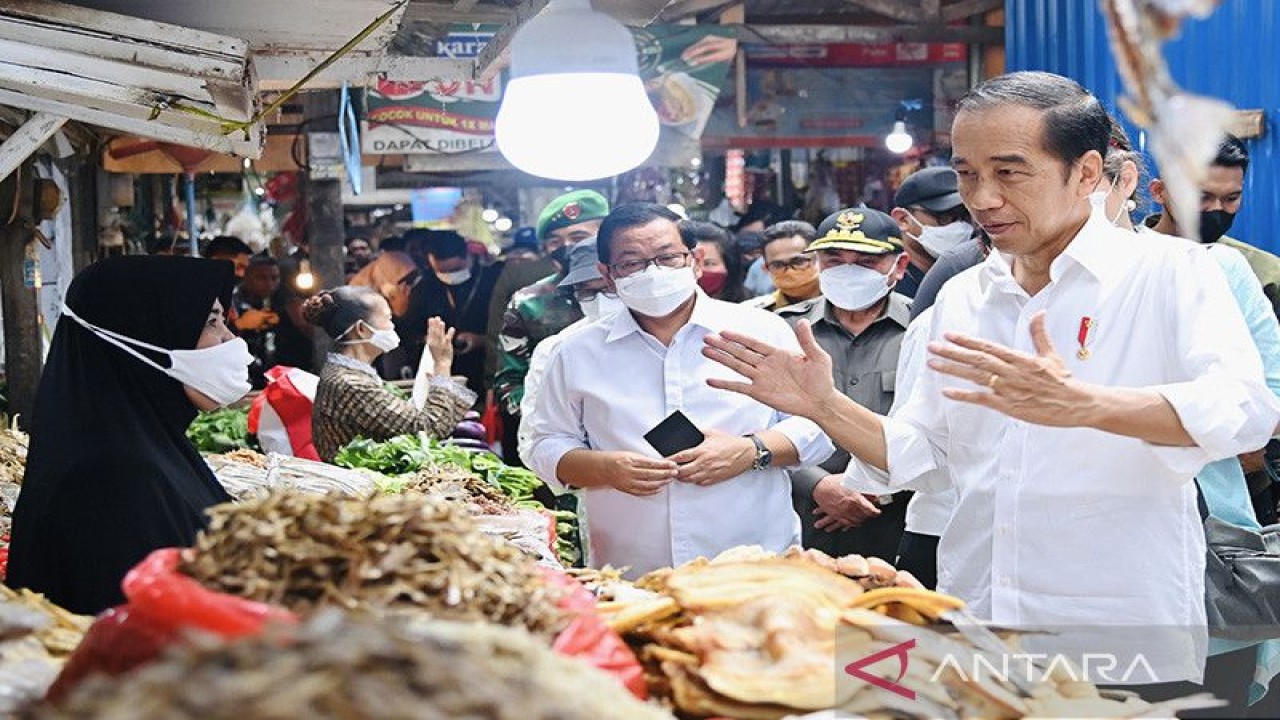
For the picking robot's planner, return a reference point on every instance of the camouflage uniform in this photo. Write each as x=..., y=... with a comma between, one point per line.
x=535, y=313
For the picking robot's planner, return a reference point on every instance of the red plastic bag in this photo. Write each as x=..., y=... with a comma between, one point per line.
x=588, y=637
x=492, y=421
x=162, y=603
x=281, y=414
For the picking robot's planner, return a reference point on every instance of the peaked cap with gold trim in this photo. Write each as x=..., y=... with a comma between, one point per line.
x=861, y=229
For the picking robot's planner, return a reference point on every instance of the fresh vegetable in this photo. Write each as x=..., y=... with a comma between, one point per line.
x=222, y=431
x=409, y=454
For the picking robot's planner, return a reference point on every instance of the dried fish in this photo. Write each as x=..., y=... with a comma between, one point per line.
x=353, y=668
x=1185, y=129
x=387, y=553
x=36, y=637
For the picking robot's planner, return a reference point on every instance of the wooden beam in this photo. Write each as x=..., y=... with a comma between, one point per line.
x=682, y=9
x=968, y=8
x=444, y=14
x=464, y=5
x=23, y=346
x=892, y=9
x=279, y=71
x=496, y=54
x=208, y=138
x=27, y=139
x=820, y=34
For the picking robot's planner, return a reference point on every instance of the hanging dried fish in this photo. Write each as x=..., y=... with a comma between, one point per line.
x=1185, y=129
x=353, y=668
x=410, y=552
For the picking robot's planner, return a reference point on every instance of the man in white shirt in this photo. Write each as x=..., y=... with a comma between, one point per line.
x=1072, y=471
x=612, y=382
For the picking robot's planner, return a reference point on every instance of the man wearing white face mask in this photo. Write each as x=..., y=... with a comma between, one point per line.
x=932, y=220
x=588, y=287
x=860, y=321
x=614, y=381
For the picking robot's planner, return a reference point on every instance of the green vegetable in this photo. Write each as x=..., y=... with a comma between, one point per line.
x=407, y=454
x=222, y=431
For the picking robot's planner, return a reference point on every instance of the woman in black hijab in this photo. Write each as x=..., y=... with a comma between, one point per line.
x=110, y=474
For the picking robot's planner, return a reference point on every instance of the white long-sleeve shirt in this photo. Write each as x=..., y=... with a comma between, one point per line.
x=927, y=512
x=1074, y=526
x=610, y=383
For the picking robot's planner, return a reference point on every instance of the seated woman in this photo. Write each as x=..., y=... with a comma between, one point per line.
x=111, y=475
x=351, y=400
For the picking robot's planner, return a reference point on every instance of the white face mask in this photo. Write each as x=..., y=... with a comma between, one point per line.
x=657, y=291
x=601, y=306
x=220, y=373
x=385, y=340
x=853, y=287
x=939, y=240
x=457, y=277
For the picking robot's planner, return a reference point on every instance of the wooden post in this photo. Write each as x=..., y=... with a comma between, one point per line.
x=82, y=179
x=23, y=354
x=325, y=232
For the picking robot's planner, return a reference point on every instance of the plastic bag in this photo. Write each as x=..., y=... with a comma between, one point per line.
x=162, y=603
x=590, y=639
x=281, y=414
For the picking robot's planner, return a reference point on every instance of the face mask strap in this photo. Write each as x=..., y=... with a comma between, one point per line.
x=121, y=341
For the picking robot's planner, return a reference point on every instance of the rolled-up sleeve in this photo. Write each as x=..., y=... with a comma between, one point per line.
x=1225, y=404
x=812, y=445
x=555, y=427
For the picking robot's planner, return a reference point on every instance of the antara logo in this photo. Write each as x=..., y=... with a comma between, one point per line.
x=900, y=651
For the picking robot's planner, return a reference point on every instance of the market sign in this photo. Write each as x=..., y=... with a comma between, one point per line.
x=902, y=54
x=684, y=68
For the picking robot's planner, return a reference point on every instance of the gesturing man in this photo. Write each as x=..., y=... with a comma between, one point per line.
x=610, y=383
x=1080, y=378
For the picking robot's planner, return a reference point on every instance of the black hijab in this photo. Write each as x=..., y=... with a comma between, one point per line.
x=110, y=474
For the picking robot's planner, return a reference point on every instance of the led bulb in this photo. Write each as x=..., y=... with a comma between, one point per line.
x=575, y=108
x=489, y=215
x=305, y=280
x=898, y=141
x=502, y=224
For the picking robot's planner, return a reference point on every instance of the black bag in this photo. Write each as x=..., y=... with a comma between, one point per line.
x=1242, y=581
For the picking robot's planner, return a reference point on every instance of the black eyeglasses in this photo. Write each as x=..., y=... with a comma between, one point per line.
x=410, y=279
x=627, y=268
x=799, y=262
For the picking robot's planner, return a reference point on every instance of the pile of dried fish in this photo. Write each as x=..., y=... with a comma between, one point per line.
x=757, y=636
x=336, y=667
x=36, y=637
x=13, y=455
x=246, y=457
x=455, y=485
x=391, y=552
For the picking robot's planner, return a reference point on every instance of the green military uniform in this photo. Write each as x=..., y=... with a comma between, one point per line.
x=542, y=309
x=514, y=278
x=535, y=314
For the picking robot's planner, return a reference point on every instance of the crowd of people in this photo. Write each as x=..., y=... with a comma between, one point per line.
x=1010, y=383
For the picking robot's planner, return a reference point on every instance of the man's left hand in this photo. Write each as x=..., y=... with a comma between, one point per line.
x=1034, y=388
x=721, y=456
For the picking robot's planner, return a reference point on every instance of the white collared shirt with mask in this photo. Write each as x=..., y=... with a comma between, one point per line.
x=1075, y=527
x=611, y=382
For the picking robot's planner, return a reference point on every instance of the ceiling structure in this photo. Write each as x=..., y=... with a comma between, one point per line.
x=126, y=64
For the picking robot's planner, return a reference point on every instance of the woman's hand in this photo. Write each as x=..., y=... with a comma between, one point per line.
x=440, y=345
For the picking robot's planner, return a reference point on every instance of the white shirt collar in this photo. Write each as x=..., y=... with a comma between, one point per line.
x=708, y=313
x=1095, y=249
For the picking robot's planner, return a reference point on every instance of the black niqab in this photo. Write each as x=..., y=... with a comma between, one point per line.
x=110, y=473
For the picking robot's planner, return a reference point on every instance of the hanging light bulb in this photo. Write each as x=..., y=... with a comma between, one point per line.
x=575, y=107
x=898, y=141
x=502, y=224
x=305, y=280
x=489, y=215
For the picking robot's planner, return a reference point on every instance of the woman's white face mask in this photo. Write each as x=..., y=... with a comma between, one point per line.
x=220, y=372
x=385, y=340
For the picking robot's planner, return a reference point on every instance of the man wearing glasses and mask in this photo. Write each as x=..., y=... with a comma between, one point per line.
x=617, y=380
x=794, y=272
x=860, y=320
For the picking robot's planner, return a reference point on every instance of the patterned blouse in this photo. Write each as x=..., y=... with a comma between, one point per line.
x=351, y=402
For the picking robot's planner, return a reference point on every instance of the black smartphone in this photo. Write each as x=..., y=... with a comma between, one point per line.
x=674, y=434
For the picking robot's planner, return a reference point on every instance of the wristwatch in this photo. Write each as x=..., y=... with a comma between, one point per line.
x=764, y=456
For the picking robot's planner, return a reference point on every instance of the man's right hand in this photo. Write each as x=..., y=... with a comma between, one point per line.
x=636, y=474
x=800, y=385
x=840, y=508
x=255, y=320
